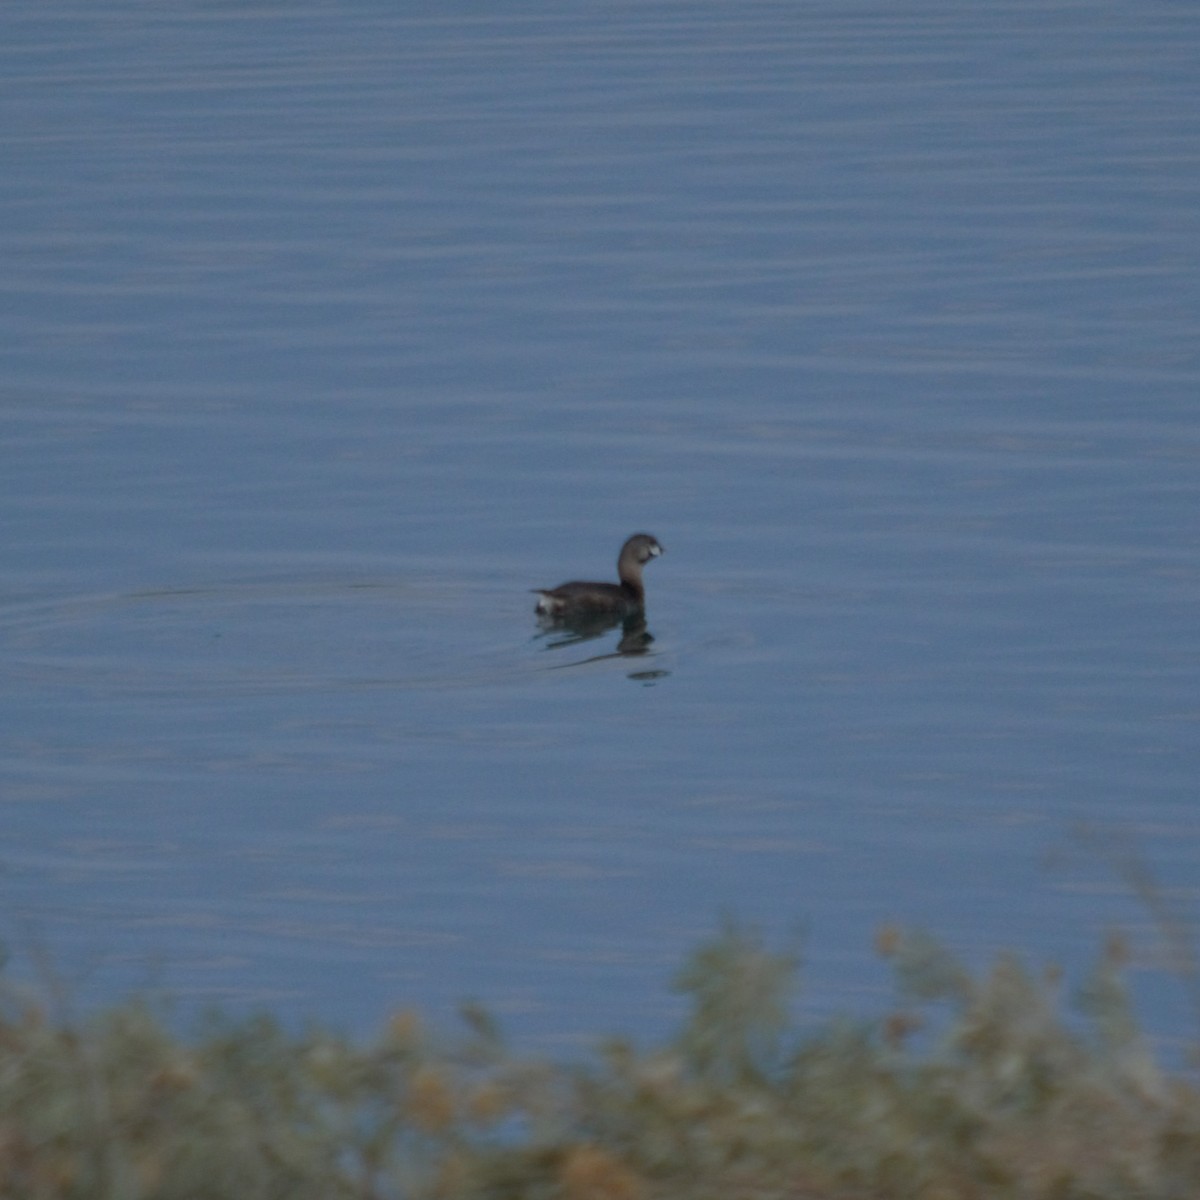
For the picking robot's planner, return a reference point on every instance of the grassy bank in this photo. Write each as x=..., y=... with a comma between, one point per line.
x=999, y=1094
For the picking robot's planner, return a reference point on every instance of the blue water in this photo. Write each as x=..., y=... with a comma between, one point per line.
x=332, y=332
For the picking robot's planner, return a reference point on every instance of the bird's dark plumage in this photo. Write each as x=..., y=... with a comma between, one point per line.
x=579, y=599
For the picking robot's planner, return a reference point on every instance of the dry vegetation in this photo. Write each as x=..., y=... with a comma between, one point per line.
x=1000, y=1096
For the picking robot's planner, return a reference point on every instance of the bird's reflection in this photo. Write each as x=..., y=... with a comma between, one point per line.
x=634, y=641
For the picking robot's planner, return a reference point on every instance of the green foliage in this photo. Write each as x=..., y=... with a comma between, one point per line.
x=977, y=1086
x=741, y=996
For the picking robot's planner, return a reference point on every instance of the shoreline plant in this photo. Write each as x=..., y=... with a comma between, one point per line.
x=976, y=1086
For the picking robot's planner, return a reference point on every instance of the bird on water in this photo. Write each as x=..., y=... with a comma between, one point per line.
x=583, y=600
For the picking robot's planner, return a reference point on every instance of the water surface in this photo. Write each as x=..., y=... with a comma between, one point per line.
x=333, y=333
